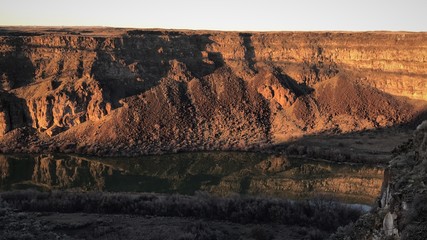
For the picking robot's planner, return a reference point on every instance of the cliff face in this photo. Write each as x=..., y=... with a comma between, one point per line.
x=401, y=211
x=142, y=91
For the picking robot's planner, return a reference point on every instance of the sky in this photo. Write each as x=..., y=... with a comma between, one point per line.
x=249, y=15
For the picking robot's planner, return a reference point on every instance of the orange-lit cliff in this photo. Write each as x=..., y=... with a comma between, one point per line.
x=104, y=91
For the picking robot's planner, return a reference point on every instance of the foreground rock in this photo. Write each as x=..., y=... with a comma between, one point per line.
x=132, y=92
x=401, y=213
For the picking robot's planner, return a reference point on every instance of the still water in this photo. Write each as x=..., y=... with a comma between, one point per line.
x=219, y=173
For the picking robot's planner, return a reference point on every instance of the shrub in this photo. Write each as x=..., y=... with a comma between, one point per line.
x=323, y=214
x=260, y=233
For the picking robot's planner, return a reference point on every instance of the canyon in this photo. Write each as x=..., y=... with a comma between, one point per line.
x=290, y=97
x=109, y=92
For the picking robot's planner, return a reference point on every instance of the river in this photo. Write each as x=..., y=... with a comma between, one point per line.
x=218, y=173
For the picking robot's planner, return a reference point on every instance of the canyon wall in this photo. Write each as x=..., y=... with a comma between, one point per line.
x=109, y=91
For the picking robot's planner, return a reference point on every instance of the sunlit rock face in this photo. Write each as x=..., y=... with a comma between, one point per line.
x=221, y=174
x=114, y=91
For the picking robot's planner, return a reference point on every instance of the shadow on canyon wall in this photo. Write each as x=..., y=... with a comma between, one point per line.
x=15, y=112
x=152, y=64
x=372, y=146
x=16, y=69
x=249, y=51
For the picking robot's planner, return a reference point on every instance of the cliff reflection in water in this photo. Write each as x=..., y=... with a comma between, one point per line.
x=220, y=173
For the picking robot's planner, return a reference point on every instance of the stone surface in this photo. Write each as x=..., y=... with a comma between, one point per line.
x=127, y=91
x=401, y=213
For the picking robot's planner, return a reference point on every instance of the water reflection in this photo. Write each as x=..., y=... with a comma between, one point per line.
x=220, y=173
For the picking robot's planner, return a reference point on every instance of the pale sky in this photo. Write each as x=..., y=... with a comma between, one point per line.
x=255, y=15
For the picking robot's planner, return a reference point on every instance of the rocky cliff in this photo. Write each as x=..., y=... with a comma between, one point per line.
x=401, y=211
x=111, y=91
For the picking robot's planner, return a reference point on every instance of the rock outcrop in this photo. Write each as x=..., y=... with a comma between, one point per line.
x=401, y=211
x=116, y=91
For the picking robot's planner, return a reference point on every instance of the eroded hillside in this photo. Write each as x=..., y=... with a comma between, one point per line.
x=126, y=91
